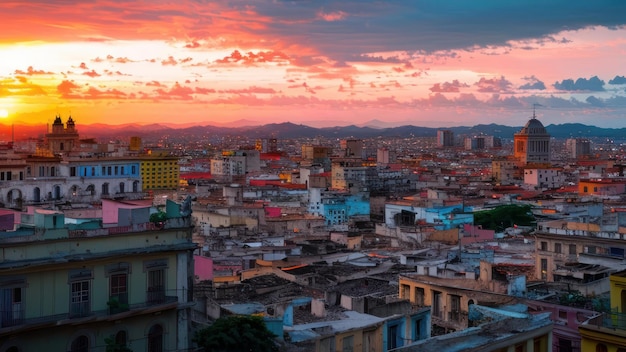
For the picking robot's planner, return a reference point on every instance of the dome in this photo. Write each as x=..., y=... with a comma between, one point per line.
x=533, y=126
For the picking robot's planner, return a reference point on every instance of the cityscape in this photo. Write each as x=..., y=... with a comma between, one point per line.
x=297, y=176
x=456, y=242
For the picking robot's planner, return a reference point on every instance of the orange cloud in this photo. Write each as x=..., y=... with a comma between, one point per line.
x=91, y=74
x=253, y=58
x=30, y=71
x=20, y=86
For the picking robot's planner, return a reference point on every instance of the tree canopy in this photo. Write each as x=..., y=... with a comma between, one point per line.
x=504, y=216
x=238, y=333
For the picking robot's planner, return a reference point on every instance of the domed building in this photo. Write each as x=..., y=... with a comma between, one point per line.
x=532, y=143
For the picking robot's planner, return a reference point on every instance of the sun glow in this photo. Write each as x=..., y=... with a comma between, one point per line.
x=4, y=113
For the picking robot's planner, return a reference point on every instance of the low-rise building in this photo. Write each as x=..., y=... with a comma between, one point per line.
x=71, y=287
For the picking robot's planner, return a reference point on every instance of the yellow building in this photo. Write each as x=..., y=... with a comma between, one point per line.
x=607, y=332
x=159, y=172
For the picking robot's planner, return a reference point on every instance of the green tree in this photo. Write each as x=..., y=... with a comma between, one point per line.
x=237, y=333
x=158, y=217
x=504, y=216
x=112, y=346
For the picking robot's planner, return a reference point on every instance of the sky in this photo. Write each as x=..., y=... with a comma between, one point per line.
x=320, y=63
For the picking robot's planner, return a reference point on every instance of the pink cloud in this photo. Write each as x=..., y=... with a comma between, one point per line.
x=332, y=16
x=94, y=93
x=253, y=58
x=494, y=85
x=170, y=61
x=448, y=87
x=251, y=90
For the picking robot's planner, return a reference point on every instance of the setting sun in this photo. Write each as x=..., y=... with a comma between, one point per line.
x=4, y=113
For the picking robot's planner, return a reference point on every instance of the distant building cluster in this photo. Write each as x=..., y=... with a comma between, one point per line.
x=442, y=243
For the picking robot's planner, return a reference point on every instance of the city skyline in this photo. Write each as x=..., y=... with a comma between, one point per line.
x=425, y=63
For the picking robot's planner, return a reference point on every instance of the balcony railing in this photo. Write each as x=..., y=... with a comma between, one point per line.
x=16, y=318
x=118, y=303
x=611, y=320
x=12, y=317
x=80, y=309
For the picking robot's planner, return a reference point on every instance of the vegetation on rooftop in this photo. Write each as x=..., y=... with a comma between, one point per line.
x=504, y=216
x=237, y=333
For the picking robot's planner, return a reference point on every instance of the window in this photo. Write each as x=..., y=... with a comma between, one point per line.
x=105, y=188
x=11, y=308
x=419, y=297
x=406, y=292
x=156, y=286
x=544, y=246
x=455, y=307
x=80, y=287
x=572, y=249
x=418, y=330
x=118, y=292
x=436, y=304
x=565, y=345
x=80, y=344
x=79, y=304
x=155, y=338
x=544, y=269
x=557, y=248
x=392, y=337
x=73, y=171
x=121, y=338
x=348, y=344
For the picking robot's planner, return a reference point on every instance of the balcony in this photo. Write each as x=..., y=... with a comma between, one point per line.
x=118, y=303
x=12, y=317
x=80, y=309
x=613, y=321
x=15, y=320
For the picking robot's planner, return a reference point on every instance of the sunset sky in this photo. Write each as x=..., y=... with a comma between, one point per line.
x=428, y=63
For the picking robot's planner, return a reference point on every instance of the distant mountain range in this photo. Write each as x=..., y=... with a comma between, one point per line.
x=290, y=130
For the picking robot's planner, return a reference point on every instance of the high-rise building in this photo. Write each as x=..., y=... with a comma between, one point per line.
x=445, y=138
x=578, y=147
x=353, y=148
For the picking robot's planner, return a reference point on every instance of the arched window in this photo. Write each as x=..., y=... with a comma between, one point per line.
x=80, y=344
x=36, y=195
x=135, y=186
x=105, y=188
x=122, y=186
x=57, y=192
x=91, y=189
x=120, y=338
x=155, y=338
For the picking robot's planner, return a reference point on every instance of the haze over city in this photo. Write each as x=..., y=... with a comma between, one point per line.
x=426, y=63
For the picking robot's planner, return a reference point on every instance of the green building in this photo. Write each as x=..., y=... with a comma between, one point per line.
x=72, y=286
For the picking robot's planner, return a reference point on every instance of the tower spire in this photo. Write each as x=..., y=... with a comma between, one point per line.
x=534, y=106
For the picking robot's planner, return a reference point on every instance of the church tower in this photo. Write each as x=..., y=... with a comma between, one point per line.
x=62, y=139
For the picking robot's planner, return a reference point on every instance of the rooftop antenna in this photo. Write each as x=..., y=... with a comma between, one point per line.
x=534, y=106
